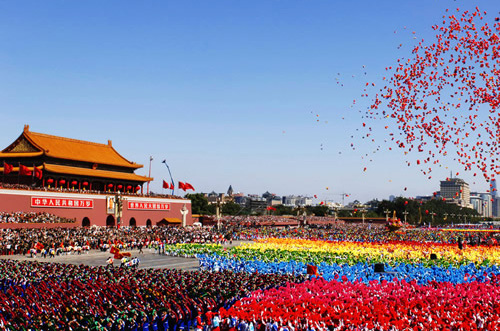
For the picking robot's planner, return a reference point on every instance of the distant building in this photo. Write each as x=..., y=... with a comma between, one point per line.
x=496, y=206
x=268, y=195
x=272, y=199
x=424, y=198
x=256, y=204
x=304, y=201
x=240, y=199
x=494, y=197
x=289, y=200
x=456, y=190
x=482, y=203
x=230, y=191
x=297, y=201
x=213, y=197
x=276, y=200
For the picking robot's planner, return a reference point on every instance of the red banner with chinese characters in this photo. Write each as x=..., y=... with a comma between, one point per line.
x=61, y=202
x=148, y=205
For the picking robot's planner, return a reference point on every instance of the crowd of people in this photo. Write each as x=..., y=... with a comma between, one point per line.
x=369, y=233
x=263, y=220
x=333, y=305
x=58, y=296
x=53, y=296
x=32, y=217
x=21, y=241
x=67, y=240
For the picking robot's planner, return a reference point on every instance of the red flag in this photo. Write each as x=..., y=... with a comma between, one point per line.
x=188, y=186
x=118, y=256
x=312, y=270
x=270, y=208
x=24, y=170
x=114, y=250
x=182, y=186
x=165, y=185
x=38, y=172
x=7, y=168
x=172, y=186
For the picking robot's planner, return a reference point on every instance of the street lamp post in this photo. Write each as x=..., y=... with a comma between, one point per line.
x=218, y=212
x=387, y=212
x=171, y=179
x=404, y=214
x=118, y=208
x=363, y=212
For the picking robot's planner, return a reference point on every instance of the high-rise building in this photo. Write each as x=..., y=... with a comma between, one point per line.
x=456, y=190
x=494, y=199
x=482, y=203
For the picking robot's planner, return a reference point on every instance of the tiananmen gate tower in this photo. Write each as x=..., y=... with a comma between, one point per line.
x=83, y=180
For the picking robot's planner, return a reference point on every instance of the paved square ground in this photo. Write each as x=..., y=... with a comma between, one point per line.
x=149, y=259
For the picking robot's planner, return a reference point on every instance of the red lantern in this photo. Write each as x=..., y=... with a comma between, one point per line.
x=138, y=188
x=110, y=185
x=62, y=182
x=119, y=186
x=85, y=183
x=74, y=182
x=129, y=187
x=50, y=181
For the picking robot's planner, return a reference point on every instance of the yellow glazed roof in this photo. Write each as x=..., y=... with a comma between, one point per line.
x=70, y=149
x=79, y=150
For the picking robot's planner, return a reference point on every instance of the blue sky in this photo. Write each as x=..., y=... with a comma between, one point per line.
x=247, y=93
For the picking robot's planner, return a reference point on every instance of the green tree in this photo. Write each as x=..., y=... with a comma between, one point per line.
x=231, y=208
x=434, y=211
x=317, y=210
x=282, y=210
x=199, y=204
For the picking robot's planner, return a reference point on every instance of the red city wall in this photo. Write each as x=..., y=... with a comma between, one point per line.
x=21, y=200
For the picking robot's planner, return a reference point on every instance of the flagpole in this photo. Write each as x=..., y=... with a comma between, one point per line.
x=171, y=179
x=150, y=159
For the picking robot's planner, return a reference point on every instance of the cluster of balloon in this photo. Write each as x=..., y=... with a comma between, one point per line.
x=445, y=98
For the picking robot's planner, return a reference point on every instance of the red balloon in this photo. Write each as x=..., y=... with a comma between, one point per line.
x=443, y=99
